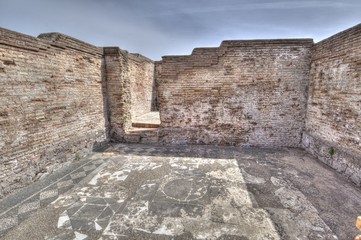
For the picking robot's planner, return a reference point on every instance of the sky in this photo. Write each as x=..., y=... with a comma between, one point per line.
x=155, y=28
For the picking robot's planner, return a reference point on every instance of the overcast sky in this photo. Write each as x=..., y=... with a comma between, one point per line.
x=167, y=27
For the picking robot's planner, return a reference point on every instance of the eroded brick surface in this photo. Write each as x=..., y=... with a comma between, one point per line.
x=244, y=92
x=129, y=86
x=141, y=74
x=333, y=125
x=117, y=92
x=51, y=104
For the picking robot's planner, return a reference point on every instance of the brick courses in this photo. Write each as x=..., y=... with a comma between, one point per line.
x=129, y=86
x=242, y=93
x=51, y=104
x=333, y=125
x=141, y=74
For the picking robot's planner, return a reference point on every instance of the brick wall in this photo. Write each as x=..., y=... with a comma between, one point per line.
x=129, y=83
x=244, y=92
x=118, y=92
x=51, y=104
x=333, y=126
x=141, y=74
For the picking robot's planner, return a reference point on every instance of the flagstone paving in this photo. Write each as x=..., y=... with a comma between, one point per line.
x=186, y=192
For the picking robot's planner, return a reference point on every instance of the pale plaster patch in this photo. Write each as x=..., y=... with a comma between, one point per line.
x=80, y=236
x=170, y=227
x=64, y=221
x=94, y=180
x=229, y=175
x=240, y=196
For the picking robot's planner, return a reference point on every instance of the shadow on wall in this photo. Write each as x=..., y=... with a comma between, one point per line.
x=155, y=93
x=100, y=146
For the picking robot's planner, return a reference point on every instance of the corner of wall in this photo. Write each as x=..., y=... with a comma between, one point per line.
x=118, y=92
x=332, y=130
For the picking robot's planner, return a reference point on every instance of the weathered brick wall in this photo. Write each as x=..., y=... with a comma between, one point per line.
x=129, y=83
x=333, y=125
x=51, y=104
x=118, y=95
x=141, y=74
x=244, y=92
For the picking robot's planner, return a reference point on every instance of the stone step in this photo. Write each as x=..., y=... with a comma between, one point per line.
x=142, y=135
x=144, y=130
x=145, y=125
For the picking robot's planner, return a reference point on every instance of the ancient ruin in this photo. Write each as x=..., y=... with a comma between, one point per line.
x=63, y=99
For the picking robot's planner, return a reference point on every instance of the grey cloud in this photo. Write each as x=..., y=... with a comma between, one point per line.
x=241, y=6
x=161, y=27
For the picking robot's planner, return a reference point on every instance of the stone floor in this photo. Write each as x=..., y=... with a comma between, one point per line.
x=150, y=119
x=186, y=192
